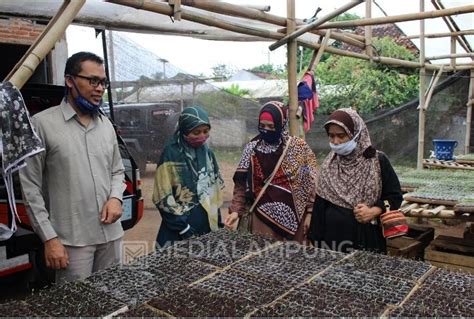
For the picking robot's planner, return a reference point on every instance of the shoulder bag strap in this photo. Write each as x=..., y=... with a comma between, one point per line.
x=270, y=178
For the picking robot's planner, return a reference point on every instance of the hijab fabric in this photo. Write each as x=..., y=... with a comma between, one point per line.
x=188, y=176
x=355, y=178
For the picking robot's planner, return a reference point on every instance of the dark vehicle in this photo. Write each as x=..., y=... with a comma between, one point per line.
x=21, y=256
x=145, y=127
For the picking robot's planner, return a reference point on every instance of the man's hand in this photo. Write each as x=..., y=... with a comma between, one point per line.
x=55, y=254
x=111, y=211
x=364, y=214
x=231, y=220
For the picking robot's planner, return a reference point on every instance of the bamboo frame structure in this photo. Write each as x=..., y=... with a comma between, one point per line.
x=317, y=57
x=450, y=56
x=249, y=13
x=452, y=26
x=45, y=42
x=315, y=24
x=441, y=34
x=318, y=27
x=398, y=18
x=431, y=89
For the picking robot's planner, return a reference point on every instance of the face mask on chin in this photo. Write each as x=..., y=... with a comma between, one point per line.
x=269, y=136
x=83, y=104
x=346, y=148
x=196, y=141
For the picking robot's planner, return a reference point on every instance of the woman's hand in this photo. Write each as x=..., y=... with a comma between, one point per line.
x=230, y=220
x=306, y=224
x=364, y=214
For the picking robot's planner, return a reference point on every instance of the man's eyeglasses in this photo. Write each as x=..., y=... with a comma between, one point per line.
x=94, y=81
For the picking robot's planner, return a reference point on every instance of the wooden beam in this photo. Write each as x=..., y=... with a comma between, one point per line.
x=422, y=89
x=450, y=56
x=314, y=25
x=441, y=35
x=292, y=85
x=53, y=32
x=398, y=18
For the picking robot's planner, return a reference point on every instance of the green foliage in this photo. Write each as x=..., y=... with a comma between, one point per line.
x=268, y=68
x=222, y=71
x=366, y=86
x=234, y=89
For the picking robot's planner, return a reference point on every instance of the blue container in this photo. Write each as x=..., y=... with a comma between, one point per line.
x=444, y=149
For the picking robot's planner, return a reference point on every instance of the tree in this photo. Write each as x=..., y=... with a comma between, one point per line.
x=234, y=89
x=222, y=71
x=366, y=86
x=269, y=68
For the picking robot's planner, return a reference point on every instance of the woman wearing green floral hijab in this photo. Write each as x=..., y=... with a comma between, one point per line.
x=188, y=184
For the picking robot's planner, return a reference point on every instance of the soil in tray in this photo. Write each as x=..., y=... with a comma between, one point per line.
x=131, y=284
x=391, y=266
x=289, y=263
x=319, y=300
x=72, y=300
x=367, y=284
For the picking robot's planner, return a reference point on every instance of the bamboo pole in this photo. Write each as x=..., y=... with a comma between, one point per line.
x=431, y=90
x=317, y=57
x=453, y=52
x=450, y=56
x=368, y=29
x=45, y=42
x=398, y=18
x=470, y=100
x=314, y=24
x=292, y=85
x=442, y=35
x=422, y=111
x=341, y=36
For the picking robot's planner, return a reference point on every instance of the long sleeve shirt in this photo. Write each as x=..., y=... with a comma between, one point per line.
x=66, y=187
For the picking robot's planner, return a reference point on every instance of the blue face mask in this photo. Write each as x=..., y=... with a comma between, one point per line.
x=269, y=136
x=84, y=105
x=345, y=148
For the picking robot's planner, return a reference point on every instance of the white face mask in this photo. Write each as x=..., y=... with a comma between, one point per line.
x=346, y=148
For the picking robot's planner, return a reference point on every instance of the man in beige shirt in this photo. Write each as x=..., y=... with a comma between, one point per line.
x=73, y=189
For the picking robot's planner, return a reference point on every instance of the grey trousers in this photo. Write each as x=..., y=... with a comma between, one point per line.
x=83, y=261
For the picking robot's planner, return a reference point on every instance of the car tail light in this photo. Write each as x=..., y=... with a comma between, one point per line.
x=139, y=181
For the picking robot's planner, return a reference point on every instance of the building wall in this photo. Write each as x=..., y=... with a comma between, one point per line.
x=22, y=33
x=19, y=31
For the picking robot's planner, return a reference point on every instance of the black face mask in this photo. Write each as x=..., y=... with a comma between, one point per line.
x=271, y=137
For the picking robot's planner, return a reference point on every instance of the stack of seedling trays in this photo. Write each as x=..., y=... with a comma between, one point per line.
x=438, y=194
x=225, y=273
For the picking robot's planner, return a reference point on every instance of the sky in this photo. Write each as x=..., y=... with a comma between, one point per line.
x=199, y=56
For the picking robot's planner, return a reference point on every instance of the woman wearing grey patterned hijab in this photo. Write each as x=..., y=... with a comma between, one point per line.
x=354, y=181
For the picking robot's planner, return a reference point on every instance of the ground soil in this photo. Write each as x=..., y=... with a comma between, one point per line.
x=147, y=228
